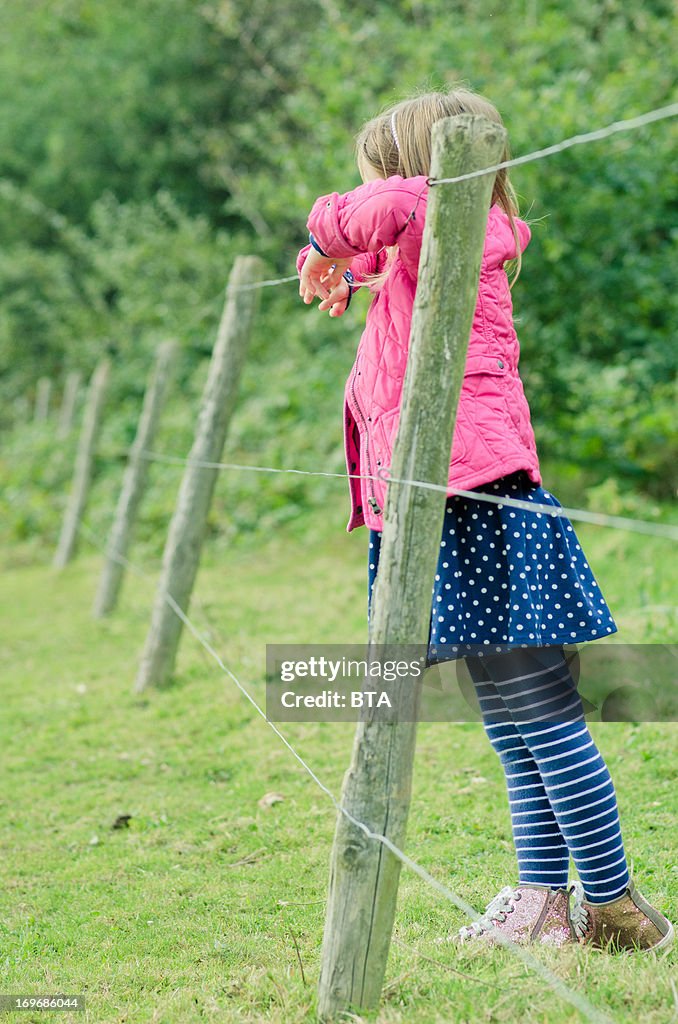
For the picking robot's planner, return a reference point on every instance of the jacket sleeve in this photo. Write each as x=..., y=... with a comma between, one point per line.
x=364, y=265
x=375, y=215
x=301, y=258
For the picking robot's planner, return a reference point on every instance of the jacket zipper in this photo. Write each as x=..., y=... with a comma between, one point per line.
x=371, y=501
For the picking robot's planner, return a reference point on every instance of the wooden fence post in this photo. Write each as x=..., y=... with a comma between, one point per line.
x=68, y=403
x=83, y=465
x=42, y=397
x=184, y=540
x=22, y=410
x=364, y=874
x=134, y=482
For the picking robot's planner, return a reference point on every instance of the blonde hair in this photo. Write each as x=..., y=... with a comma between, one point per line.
x=398, y=141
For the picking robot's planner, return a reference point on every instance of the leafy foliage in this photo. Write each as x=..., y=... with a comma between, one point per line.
x=143, y=146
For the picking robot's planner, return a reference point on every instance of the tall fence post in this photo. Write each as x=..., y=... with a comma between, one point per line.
x=184, y=540
x=68, y=403
x=364, y=874
x=134, y=482
x=42, y=397
x=82, y=475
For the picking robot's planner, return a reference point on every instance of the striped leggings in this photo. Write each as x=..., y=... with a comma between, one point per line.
x=561, y=796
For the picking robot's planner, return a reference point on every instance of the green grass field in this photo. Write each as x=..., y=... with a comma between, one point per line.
x=209, y=906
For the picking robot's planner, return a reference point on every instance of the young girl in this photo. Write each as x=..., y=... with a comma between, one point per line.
x=506, y=577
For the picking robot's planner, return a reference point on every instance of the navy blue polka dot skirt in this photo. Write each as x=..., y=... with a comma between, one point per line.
x=508, y=576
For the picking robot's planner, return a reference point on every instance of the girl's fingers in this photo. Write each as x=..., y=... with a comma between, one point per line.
x=310, y=282
x=316, y=287
x=308, y=289
x=319, y=277
x=329, y=278
x=338, y=295
x=333, y=278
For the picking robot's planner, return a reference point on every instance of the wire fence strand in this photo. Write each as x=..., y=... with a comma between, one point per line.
x=659, y=114
x=664, y=530
x=266, y=284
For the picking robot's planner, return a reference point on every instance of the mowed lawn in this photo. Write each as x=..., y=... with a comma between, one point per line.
x=207, y=905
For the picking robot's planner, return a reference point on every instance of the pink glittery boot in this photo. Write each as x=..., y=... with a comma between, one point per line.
x=528, y=913
x=628, y=923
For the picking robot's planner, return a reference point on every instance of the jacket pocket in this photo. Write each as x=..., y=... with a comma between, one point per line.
x=484, y=387
x=493, y=366
x=385, y=434
x=482, y=390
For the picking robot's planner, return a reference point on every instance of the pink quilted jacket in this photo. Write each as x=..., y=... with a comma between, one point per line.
x=493, y=435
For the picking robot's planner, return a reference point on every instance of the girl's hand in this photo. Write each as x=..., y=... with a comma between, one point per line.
x=320, y=275
x=337, y=300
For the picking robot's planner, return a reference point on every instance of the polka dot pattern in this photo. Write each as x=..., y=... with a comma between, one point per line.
x=508, y=576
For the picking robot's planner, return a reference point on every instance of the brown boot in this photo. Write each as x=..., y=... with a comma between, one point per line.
x=528, y=913
x=626, y=923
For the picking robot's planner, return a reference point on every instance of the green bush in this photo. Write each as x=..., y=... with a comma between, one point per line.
x=163, y=140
